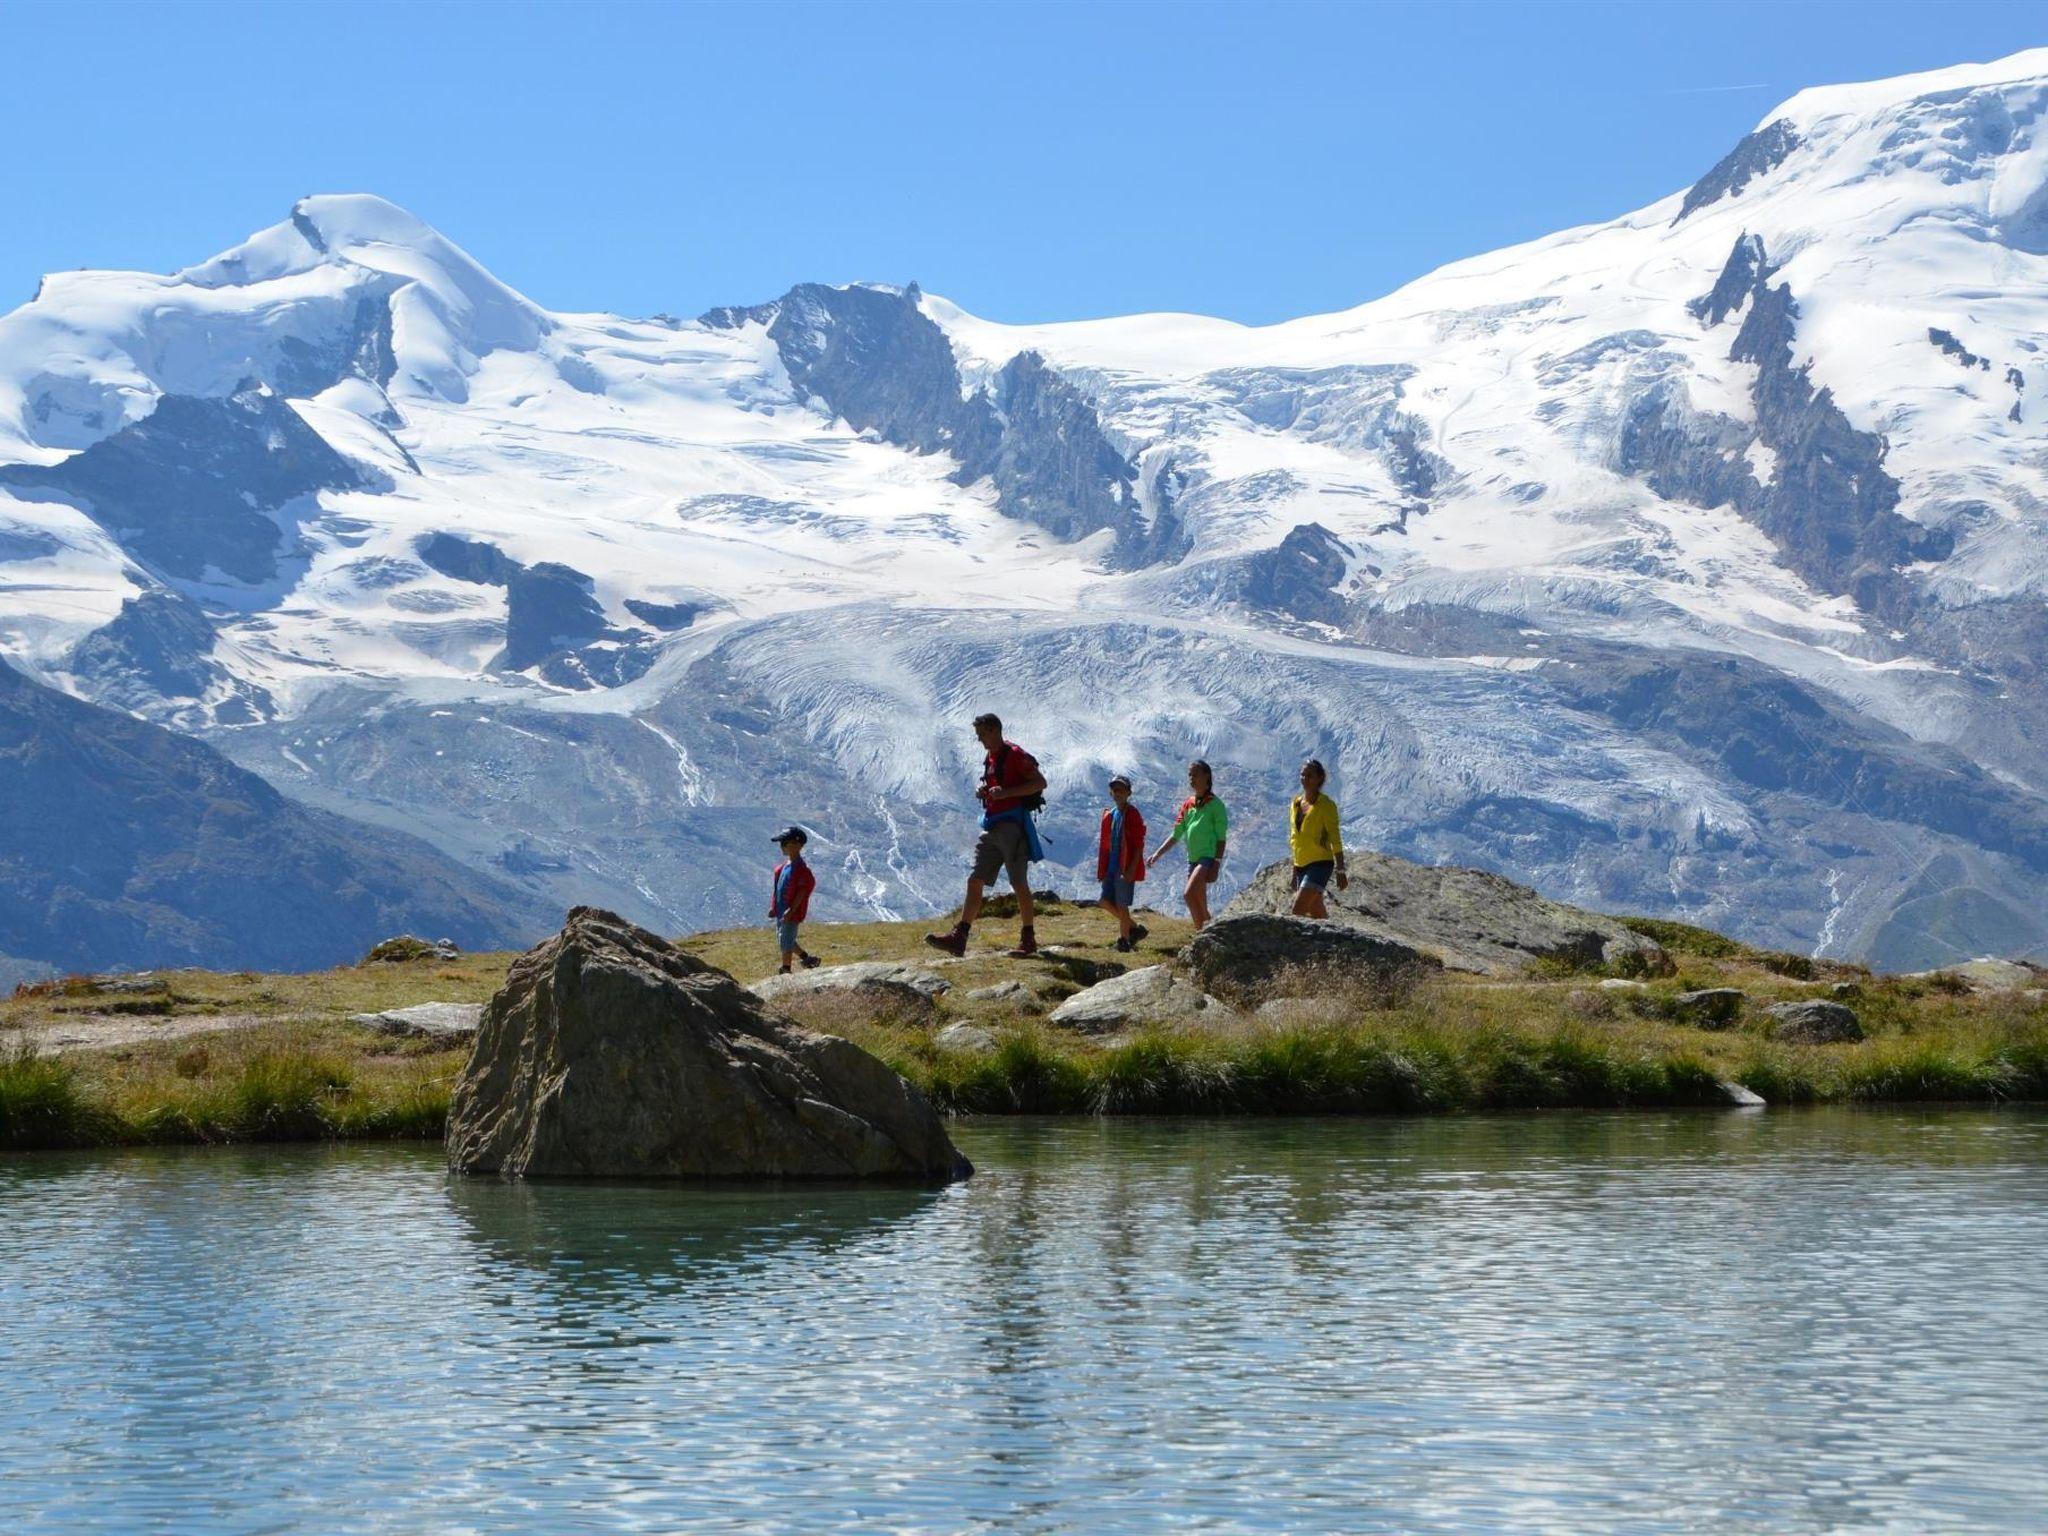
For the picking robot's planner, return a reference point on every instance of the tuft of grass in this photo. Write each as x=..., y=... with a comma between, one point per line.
x=1685, y=939
x=42, y=1104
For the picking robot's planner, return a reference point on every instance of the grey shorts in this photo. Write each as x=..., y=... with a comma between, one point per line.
x=1003, y=847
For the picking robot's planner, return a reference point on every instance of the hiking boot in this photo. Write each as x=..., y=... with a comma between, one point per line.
x=809, y=962
x=1123, y=946
x=953, y=943
x=1027, y=946
x=1139, y=933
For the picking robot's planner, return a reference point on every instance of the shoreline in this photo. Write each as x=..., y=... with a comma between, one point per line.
x=206, y=1058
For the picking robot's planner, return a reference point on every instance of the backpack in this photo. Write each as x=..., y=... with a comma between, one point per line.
x=1032, y=803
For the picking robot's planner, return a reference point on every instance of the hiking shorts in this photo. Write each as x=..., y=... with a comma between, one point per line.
x=1316, y=875
x=1205, y=869
x=1004, y=846
x=785, y=935
x=1119, y=893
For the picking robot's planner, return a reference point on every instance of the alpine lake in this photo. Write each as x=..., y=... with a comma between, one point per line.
x=1789, y=1320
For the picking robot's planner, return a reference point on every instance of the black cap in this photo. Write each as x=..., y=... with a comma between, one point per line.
x=796, y=832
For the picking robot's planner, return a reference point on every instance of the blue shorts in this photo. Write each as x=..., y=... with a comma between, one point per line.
x=1206, y=868
x=1119, y=893
x=785, y=935
x=1316, y=875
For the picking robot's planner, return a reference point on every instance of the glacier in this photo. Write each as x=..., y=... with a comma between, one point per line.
x=1693, y=563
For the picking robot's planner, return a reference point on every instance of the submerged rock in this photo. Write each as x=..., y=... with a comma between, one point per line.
x=1470, y=919
x=611, y=1052
x=450, y=1022
x=1814, y=1021
x=1259, y=951
x=1151, y=995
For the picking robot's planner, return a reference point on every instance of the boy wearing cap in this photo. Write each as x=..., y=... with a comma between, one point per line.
x=1120, y=861
x=789, y=900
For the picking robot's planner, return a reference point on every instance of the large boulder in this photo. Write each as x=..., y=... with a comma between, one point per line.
x=1814, y=1021
x=1708, y=1007
x=906, y=988
x=609, y=1051
x=1153, y=995
x=1990, y=975
x=1471, y=920
x=1258, y=952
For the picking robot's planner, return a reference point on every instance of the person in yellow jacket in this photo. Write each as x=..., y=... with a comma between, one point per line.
x=1314, y=842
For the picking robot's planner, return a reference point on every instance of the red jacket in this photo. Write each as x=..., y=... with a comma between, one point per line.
x=1133, y=850
x=801, y=883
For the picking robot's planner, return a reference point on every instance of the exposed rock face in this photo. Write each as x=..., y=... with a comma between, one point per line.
x=1814, y=1021
x=553, y=620
x=900, y=986
x=1151, y=995
x=1467, y=918
x=159, y=648
x=878, y=362
x=610, y=1052
x=1756, y=154
x=1251, y=952
x=195, y=483
x=450, y=1023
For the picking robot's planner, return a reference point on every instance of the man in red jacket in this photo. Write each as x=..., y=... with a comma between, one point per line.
x=789, y=898
x=1120, y=862
x=1011, y=789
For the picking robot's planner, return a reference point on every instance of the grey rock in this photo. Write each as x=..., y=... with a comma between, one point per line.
x=1755, y=154
x=610, y=1052
x=1739, y=1096
x=405, y=947
x=450, y=1022
x=1250, y=952
x=1989, y=975
x=881, y=980
x=1467, y=918
x=1012, y=992
x=1620, y=984
x=1814, y=1021
x=969, y=1039
x=1151, y=995
x=1709, y=1007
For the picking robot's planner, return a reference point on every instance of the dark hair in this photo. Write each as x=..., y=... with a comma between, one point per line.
x=987, y=720
x=1317, y=764
x=1201, y=765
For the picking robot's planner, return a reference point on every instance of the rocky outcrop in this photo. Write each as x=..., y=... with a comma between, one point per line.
x=1989, y=975
x=905, y=987
x=1251, y=953
x=553, y=620
x=1814, y=1021
x=1468, y=919
x=610, y=1052
x=1149, y=997
x=872, y=357
x=446, y=1023
x=1755, y=154
x=196, y=486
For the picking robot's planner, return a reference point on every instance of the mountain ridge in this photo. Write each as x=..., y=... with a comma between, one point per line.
x=738, y=569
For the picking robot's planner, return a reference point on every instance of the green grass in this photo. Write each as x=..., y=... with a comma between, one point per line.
x=1449, y=1045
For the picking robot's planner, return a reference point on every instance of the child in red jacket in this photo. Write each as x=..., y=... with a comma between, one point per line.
x=1120, y=862
x=789, y=901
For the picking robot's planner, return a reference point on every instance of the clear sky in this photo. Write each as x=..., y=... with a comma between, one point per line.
x=1028, y=161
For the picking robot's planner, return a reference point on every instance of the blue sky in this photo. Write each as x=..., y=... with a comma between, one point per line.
x=1029, y=161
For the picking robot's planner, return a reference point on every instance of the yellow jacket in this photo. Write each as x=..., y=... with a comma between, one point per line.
x=1313, y=837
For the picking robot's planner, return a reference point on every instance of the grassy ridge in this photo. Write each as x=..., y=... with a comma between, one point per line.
x=295, y=1068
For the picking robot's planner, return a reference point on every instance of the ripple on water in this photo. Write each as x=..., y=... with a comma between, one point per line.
x=1582, y=1323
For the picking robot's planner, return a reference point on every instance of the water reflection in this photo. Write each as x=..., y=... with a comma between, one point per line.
x=1620, y=1322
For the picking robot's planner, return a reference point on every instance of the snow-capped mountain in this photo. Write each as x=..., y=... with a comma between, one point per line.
x=1696, y=562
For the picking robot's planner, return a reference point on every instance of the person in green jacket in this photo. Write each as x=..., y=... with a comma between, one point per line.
x=1203, y=829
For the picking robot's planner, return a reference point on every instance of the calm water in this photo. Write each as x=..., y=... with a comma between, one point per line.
x=1819, y=1321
